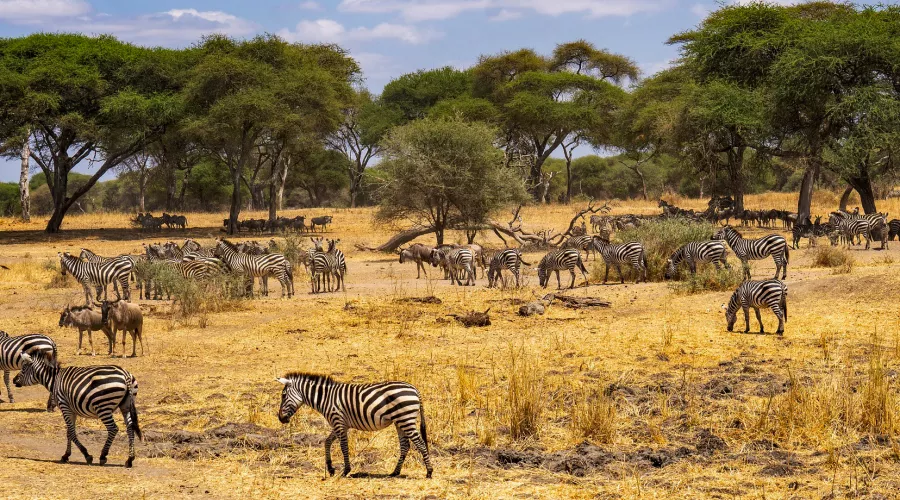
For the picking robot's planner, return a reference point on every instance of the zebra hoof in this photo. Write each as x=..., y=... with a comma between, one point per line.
x=89, y=459
x=330, y=471
x=102, y=460
x=346, y=472
x=428, y=475
x=129, y=462
x=64, y=459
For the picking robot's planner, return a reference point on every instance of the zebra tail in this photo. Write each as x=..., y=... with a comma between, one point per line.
x=523, y=260
x=132, y=411
x=787, y=255
x=784, y=302
x=422, y=428
x=581, y=264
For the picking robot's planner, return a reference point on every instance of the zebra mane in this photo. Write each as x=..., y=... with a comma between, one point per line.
x=228, y=244
x=312, y=377
x=738, y=233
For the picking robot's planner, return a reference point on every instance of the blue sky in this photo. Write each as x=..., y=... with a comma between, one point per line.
x=387, y=37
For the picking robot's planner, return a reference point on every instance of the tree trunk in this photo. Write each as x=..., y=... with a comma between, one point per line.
x=24, y=190
x=643, y=182
x=142, y=185
x=806, y=189
x=568, y=179
x=736, y=176
x=184, y=184
x=399, y=239
x=439, y=235
x=355, y=177
x=171, y=186
x=235, y=200
x=845, y=198
x=863, y=186
x=282, y=182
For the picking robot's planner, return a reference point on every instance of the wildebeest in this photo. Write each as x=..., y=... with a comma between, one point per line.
x=418, y=253
x=320, y=221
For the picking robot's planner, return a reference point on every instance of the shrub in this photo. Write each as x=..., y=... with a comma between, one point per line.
x=194, y=297
x=662, y=237
x=292, y=249
x=57, y=280
x=838, y=259
x=594, y=417
x=524, y=398
x=709, y=279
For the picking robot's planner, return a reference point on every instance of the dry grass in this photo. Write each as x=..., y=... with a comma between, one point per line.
x=677, y=406
x=840, y=260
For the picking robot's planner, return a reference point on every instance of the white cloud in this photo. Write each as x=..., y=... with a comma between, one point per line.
x=653, y=67
x=310, y=6
x=700, y=10
x=36, y=11
x=506, y=15
x=331, y=31
x=422, y=10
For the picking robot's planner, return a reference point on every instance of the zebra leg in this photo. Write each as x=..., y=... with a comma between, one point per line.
x=8, y=389
x=606, y=276
x=345, y=449
x=129, y=431
x=621, y=276
x=328, y=441
x=516, y=274
x=72, y=437
x=404, y=449
x=759, y=320
x=558, y=282
x=417, y=440
x=111, y=430
x=780, y=315
x=746, y=318
x=746, y=266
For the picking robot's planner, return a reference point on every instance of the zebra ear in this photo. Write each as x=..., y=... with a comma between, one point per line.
x=284, y=381
x=26, y=358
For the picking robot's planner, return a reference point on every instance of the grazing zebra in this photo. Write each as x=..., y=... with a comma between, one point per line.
x=458, y=260
x=557, y=260
x=505, y=259
x=582, y=243
x=273, y=264
x=99, y=275
x=366, y=407
x=89, y=392
x=756, y=294
x=626, y=253
x=11, y=350
x=747, y=250
x=697, y=251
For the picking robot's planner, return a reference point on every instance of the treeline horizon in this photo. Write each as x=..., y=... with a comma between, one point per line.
x=763, y=97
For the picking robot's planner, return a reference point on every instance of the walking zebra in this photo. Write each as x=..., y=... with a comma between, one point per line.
x=11, y=350
x=505, y=259
x=697, y=251
x=582, y=243
x=626, y=253
x=458, y=260
x=747, y=250
x=86, y=391
x=99, y=275
x=557, y=260
x=272, y=264
x=756, y=294
x=366, y=407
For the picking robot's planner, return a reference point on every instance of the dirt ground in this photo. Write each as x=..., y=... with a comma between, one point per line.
x=649, y=398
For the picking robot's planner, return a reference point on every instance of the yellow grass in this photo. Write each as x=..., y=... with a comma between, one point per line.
x=680, y=407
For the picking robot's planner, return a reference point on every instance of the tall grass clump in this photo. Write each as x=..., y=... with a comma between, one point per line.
x=524, y=400
x=838, y=259
x=708, y=279
x=662, y=237
x=594, y=416
x=57, y=280
x=198, y=298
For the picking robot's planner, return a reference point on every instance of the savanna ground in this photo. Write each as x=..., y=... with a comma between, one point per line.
x=651, y=397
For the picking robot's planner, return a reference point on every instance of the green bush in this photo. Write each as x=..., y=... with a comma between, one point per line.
x=193, y=297
x=662, y=237
x=709, y=279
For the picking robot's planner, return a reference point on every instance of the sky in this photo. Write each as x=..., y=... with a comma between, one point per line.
x=387, y=37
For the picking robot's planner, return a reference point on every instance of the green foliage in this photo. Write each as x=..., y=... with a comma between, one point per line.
x=444, y=173
x=662, y=237
x=10, y=204
x=196, y=298
x=414, y=94
x=708, y=279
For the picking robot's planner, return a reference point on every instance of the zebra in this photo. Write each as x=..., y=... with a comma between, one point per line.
x=367, y=407
x=631, y=252
x=100, y=275
x=273, y=264
x=582, y=243
x=90, y=392
x=339, y=261
x=191, y=246
x=508, y=259
x=322, y=265
x=697, y=251
x=894, y=229
x=458, y=260
x=96, y=259
x=747, y=249
x=769, y=293
x=557, y=260
x=11, y=350
x=852, y=226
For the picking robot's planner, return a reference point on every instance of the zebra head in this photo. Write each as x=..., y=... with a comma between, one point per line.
x=63, y=257
x=37, y=369
x=291, y=400
x=543, y=276
x=731, y=312
x=317, y=242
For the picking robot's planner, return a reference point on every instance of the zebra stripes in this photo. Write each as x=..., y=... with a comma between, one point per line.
x=851, y=227
x=458, y=260
x=367, y=407
x=87, y=392
x=99, y=275
x=583, y=243
x=558, y=260
x=340, y=262
x=697, y=251
x=273, y=264
x=756, y=294
x=893, y=229
x=626, y=253
x=11, y=350
x=96, y=259
x=322, y=267
x=508, y=259
x=758, y=249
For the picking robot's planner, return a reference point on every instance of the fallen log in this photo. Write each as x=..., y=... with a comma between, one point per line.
x=398, y=239
x=575, y=302
x=473, y=318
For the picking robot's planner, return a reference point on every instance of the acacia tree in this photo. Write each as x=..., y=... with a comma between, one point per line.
x=444, y=174
x=83, y=98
